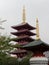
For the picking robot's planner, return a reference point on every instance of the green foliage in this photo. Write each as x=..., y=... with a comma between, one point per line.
x=4, y=44
x=16, y=46
x=25, y=61
x=5, y=60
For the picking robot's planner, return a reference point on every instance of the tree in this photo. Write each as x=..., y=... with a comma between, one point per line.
x=4, y=44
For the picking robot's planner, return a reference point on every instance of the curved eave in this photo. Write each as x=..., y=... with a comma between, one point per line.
x=23, y=26
x=37, y=45
x=18, y=51
x=24, y=38
x=23, y=32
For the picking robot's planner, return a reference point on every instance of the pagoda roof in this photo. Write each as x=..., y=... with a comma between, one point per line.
x=36, y=45
x=23, y=26
x=27, y=32
x=18, y=51
x=27, y=38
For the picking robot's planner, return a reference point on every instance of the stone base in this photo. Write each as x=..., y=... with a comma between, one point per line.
x=39, y=61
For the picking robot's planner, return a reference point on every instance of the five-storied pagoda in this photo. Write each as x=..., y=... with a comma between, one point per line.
x=37, y=46
x=23, y=35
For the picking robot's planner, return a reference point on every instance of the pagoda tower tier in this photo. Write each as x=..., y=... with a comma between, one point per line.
x=23, y=40
x=19, y=52
x=26, y=38
x=37, y=47
x=23, y=26
x=24, y=32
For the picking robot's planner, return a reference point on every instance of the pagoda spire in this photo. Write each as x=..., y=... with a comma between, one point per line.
x=23, y=15
x=37, y=30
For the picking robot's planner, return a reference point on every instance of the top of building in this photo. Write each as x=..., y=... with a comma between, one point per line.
x=37, y=29
x=24, y=24
x=23, y=16
x=37, y=45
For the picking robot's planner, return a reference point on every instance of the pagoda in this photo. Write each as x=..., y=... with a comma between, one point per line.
x=38, y=47
x=23, y=35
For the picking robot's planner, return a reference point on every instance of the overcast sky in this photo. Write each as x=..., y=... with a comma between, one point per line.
x=11, y=10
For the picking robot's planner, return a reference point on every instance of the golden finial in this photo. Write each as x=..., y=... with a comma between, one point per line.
x=37, y=29
x=24, y=17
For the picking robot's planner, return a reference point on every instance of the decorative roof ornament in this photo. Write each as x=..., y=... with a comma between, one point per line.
x=23, y=15
x=37, y=30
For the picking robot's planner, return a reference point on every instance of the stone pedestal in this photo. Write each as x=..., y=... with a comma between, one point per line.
x=39, y=61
